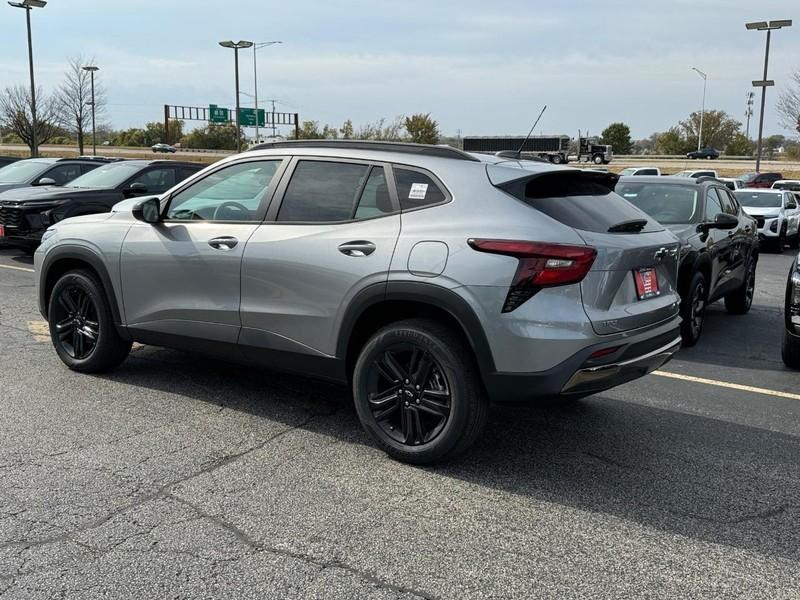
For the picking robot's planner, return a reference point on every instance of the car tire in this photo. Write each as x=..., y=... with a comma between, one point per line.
x=82, y=326
x=794, y=241
x=417, y=391
x=693, y=310
x=740, y=301
x=790, y=350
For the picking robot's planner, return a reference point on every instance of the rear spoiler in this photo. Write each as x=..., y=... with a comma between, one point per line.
x=515, y=179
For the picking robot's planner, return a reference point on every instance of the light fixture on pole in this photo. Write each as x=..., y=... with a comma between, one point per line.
x=258, y=46
x=236, y=46
x=764, y=82
x=92, y=69
x=28, y=5
x=702, y=106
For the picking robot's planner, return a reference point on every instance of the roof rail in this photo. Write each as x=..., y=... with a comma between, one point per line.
x=402, y=147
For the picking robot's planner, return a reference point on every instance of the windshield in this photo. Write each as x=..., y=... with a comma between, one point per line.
x=787, y=185
x=748, y=176
x=23, y=171
x=107, y=176
x=759, y=199
x=667, y=204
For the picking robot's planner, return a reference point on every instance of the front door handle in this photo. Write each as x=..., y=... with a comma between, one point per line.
x=223, y=243
x=357, y=248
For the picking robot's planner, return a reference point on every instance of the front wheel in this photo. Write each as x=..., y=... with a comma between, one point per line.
x=82, y=326
x=739, y=302
x=693, y=310
x=598, y=160
x=417, y=392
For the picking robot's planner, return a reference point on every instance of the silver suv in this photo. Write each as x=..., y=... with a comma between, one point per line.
x=428, y=279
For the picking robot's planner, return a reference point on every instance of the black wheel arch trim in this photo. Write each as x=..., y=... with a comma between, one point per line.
x=83, y=254
x=423, y=293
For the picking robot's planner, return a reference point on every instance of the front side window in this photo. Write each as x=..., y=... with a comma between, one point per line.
x=322, y=191
x=233, y=193
x=790, y=203
x=416, y=189
x=157, y=180
x=727, y=203
x=62, y=174
x=713, y=205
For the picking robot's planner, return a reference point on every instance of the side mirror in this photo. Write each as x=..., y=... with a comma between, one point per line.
x=135, y=189
x=148, y=210
x=45, y=181
x=721, y=221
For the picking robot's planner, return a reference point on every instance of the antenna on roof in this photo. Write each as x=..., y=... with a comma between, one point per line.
x=527, y=137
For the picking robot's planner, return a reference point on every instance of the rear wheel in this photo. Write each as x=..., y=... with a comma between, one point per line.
x=693, y=310
x=790, y=350
x=417, y=392
x=81, y=325
x=739, y=302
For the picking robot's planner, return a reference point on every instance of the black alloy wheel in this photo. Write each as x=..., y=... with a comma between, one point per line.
x=409, y=395
x=77, y=325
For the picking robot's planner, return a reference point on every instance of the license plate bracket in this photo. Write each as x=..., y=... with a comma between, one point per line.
x=646, y=281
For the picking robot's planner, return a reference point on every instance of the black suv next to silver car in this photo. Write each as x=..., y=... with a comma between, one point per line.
x=719, y=242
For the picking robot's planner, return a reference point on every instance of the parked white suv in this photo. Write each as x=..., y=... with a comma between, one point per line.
x=776, y=215
x=639, y=171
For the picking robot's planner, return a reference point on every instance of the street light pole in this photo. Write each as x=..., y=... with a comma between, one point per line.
x=702, y=106
x=764, y=83
x=91, y=70
x=257, y=46
x=236, y=46
x=28, y=5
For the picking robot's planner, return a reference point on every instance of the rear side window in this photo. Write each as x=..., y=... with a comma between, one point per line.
x=583, y=202
x=416, y=189
x=323, y=191
x=375, y=200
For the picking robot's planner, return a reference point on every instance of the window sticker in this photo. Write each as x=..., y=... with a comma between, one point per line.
x=418, y=191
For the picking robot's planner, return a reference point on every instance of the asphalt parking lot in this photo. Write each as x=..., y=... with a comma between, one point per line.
x=180, y=477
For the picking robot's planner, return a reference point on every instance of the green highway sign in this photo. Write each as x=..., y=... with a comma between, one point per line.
x=247, y=117
x=217, y=114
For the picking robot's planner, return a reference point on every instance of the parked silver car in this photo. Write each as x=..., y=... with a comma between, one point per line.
x=428, y=279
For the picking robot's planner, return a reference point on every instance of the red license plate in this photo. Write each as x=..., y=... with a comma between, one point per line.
x=646, y=283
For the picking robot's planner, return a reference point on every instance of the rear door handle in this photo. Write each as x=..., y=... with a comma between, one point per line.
x=223, y=243
x=357, y=248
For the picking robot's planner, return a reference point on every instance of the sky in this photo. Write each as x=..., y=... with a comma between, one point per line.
x=479, y=67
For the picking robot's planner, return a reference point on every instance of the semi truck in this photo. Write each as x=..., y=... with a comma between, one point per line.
x=555, y=148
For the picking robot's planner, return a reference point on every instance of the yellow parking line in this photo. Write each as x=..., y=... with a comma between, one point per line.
x=726, y=384
x=17, y=268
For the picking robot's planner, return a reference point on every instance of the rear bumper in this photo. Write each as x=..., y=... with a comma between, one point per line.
x=581, y=375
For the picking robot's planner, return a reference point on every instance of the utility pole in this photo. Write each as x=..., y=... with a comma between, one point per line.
x=765, y=83
x=28, y=5
x=258, y=46
x=92, y=70
x=748, y=111
x=236, y=46
x=702, y=106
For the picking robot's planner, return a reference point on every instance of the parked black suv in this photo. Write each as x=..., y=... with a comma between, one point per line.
x=707, y=152
x=790, y=348
x=46, y=171
x=719, y=242
x=26, y=212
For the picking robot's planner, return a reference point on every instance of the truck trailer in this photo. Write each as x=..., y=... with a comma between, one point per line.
x=554, y=148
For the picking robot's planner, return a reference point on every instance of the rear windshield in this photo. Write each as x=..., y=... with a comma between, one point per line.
x=759, y=199
x=787, y=185
x=667, y=204
x=585, y=201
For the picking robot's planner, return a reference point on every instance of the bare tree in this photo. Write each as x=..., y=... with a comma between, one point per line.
x=15, y=114
x=789, y=103
x=74, y=100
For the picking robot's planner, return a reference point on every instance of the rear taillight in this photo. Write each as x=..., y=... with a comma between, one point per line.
x=540, y=265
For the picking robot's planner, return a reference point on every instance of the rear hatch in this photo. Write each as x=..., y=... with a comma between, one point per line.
x=634, y=279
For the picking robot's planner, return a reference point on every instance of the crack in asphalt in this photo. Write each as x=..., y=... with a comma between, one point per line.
x=257, y=546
